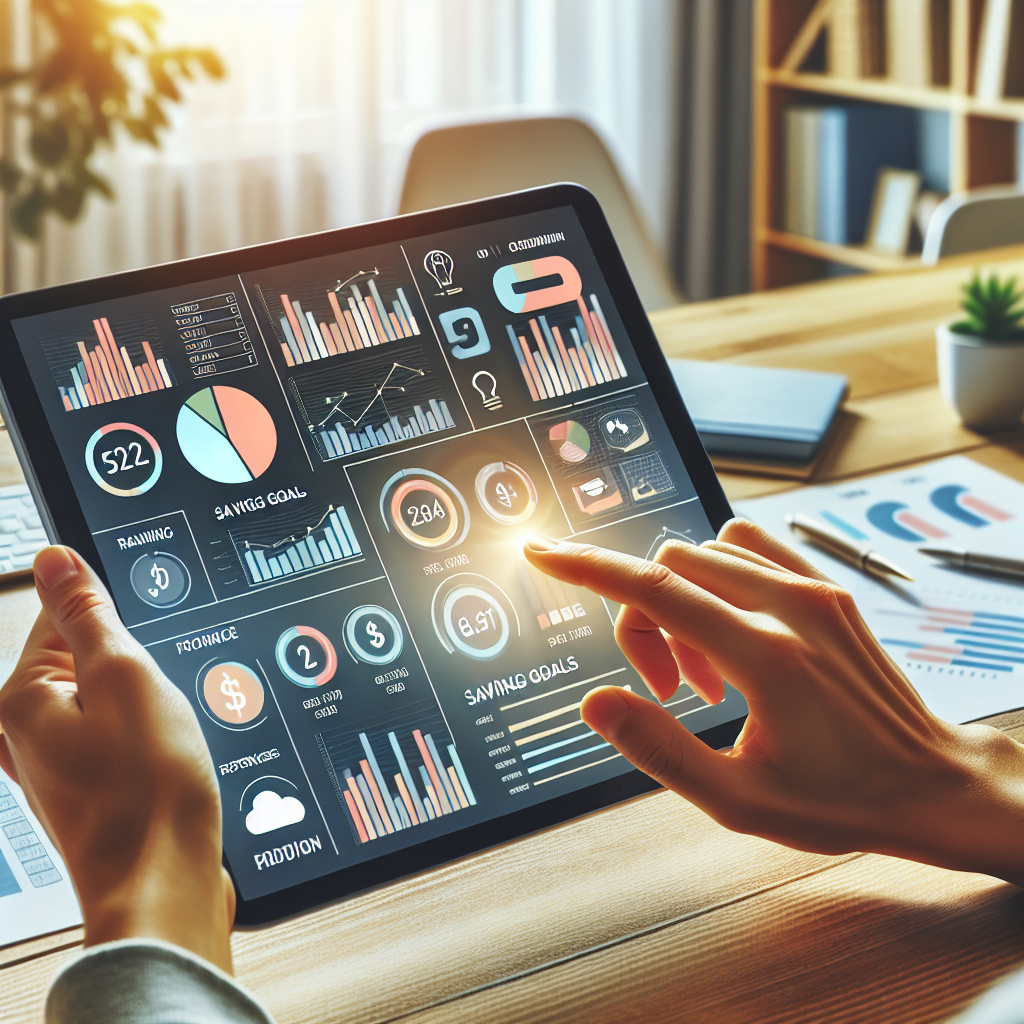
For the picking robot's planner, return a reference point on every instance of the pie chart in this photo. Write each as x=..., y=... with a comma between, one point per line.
x=226, y=434
x=570, y=441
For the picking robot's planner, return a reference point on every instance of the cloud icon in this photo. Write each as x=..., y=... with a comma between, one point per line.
x=270, y=812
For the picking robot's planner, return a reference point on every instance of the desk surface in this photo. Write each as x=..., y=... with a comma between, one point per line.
x=650, y=911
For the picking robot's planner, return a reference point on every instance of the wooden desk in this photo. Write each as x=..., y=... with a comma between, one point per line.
x=650, y=911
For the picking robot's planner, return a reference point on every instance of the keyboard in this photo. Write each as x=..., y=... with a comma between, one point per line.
x=21, y=531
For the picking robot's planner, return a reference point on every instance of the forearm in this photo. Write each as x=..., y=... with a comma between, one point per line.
x=148, y=982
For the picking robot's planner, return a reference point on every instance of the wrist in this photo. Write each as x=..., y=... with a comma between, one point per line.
x=170, y=894
x=973, y=817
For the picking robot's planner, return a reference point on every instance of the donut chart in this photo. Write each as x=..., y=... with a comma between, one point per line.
x=424, y=509
x=226, y=435
x=306, y=657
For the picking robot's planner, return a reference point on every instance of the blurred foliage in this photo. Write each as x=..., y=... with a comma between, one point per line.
x=101, y=67
x=992, y=309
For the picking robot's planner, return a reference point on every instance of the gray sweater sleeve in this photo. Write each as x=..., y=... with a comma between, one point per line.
x=145, y=981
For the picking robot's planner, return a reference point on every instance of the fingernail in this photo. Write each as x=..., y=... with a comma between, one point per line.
x=53, y=565
x=541, y=544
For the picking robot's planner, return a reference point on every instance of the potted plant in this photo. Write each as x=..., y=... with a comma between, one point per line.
x=981, y=355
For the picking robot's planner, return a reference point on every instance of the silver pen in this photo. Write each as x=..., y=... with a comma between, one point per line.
x=832, y=541
x=960, y=559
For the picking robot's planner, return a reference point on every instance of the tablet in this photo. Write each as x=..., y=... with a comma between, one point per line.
x=305, y=470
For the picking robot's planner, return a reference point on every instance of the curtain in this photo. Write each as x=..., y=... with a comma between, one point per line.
x=711, y=244
x=324, y=98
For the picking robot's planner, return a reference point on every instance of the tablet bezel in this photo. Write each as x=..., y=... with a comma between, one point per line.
x=65, y=521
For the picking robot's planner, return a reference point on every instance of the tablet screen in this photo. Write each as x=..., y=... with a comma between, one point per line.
x=309, y=487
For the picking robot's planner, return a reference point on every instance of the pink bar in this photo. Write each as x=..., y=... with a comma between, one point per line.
x=382, y=810
x=109, y=365
x=157, y=382
x=332, y=349
x=353, y=330
x=428, y=763
x=354, y=811
x=122, y=369
x=300, y=338
x=287, y=355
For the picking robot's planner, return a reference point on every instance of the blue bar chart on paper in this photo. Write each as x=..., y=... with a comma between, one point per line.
x=280, y=545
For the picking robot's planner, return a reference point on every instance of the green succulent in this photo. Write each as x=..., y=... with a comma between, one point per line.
x=100, y=67
x=992, y=308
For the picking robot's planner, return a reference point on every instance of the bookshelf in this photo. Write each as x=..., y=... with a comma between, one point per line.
x=982, y=132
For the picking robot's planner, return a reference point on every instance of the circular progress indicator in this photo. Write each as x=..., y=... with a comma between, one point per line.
x=226, y=434
x=472, y=615
x=160, y=579
x=373, y=635
x=231, y=694
x=123, y=459
x=425, y=509
x=506, y=493
x=306, y=657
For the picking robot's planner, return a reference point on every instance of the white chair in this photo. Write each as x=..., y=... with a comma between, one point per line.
x=459, y=162
x=983, y=218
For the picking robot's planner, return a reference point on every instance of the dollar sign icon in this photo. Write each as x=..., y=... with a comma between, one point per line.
x=376, y=636
x=233, y=689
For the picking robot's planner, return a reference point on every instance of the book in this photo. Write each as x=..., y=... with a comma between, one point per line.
x=845, y=46
x=800, y=171
x=908, y=37
x=1000, y=69
x=832, y=159
x=754, y=415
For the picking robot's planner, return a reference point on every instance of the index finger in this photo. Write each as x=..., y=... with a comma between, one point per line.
x=671, y=602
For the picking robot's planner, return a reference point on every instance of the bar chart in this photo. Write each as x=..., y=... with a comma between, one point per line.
x=367, y=309
x=566, y=350
x=956, y=639
x=381, y=400
x=397, y=772
x=282, y=545
x=106, y=362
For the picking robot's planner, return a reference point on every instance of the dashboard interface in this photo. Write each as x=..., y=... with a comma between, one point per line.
x=309, y=487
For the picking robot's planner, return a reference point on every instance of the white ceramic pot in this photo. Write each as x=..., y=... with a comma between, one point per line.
x=983, y=381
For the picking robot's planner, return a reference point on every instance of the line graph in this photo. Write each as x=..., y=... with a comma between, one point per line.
x=283, y=544
x=377, y=402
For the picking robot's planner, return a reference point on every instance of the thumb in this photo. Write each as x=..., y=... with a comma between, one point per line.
x=656, y=743
x=79, y=608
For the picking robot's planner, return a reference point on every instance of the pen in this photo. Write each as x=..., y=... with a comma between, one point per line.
x=960, y=559
x=835, y=543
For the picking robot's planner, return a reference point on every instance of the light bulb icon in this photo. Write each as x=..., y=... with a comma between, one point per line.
x=487, y=387
x=439, y=265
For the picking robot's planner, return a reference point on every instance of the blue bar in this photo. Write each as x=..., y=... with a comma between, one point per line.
x=439, y=797
x=289, y=337
x=388, y=432
x=979, y=664
x=309, y=544
x=325, y=551
x=405, y=306
x=449, y=422
x=554, y=746
x=349, y=532
x=342, y=538
x=385, y=792
x=261, y=561
x=343, y=435
x=400, y=313
x=275, y=567
x=431, y=423
x=332, y=541
x=293, y=557
x=414, y=426
x=461, y=772
x=314, y=352
x=442, y=774
x=385, y=320
x=403, y=767
x=332, y=451
x=842, y=524
x=371, y=807
x=254, y=569
x=564, y=757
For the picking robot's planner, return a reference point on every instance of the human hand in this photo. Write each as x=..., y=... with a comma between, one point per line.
x=838, y=752
x=114, y=765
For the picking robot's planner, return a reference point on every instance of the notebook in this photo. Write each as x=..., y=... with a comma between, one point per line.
x=759, y=418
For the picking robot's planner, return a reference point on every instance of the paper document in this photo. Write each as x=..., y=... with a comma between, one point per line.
x=958, y=636
x=36, y=895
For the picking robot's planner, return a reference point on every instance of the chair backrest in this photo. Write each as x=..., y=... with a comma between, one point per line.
x=969, y=221
x=460, y=162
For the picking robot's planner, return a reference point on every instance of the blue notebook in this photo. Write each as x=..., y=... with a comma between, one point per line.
x=759, y=413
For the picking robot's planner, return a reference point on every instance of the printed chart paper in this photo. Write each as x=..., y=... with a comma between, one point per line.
x=958, y=636
x=36, y=895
